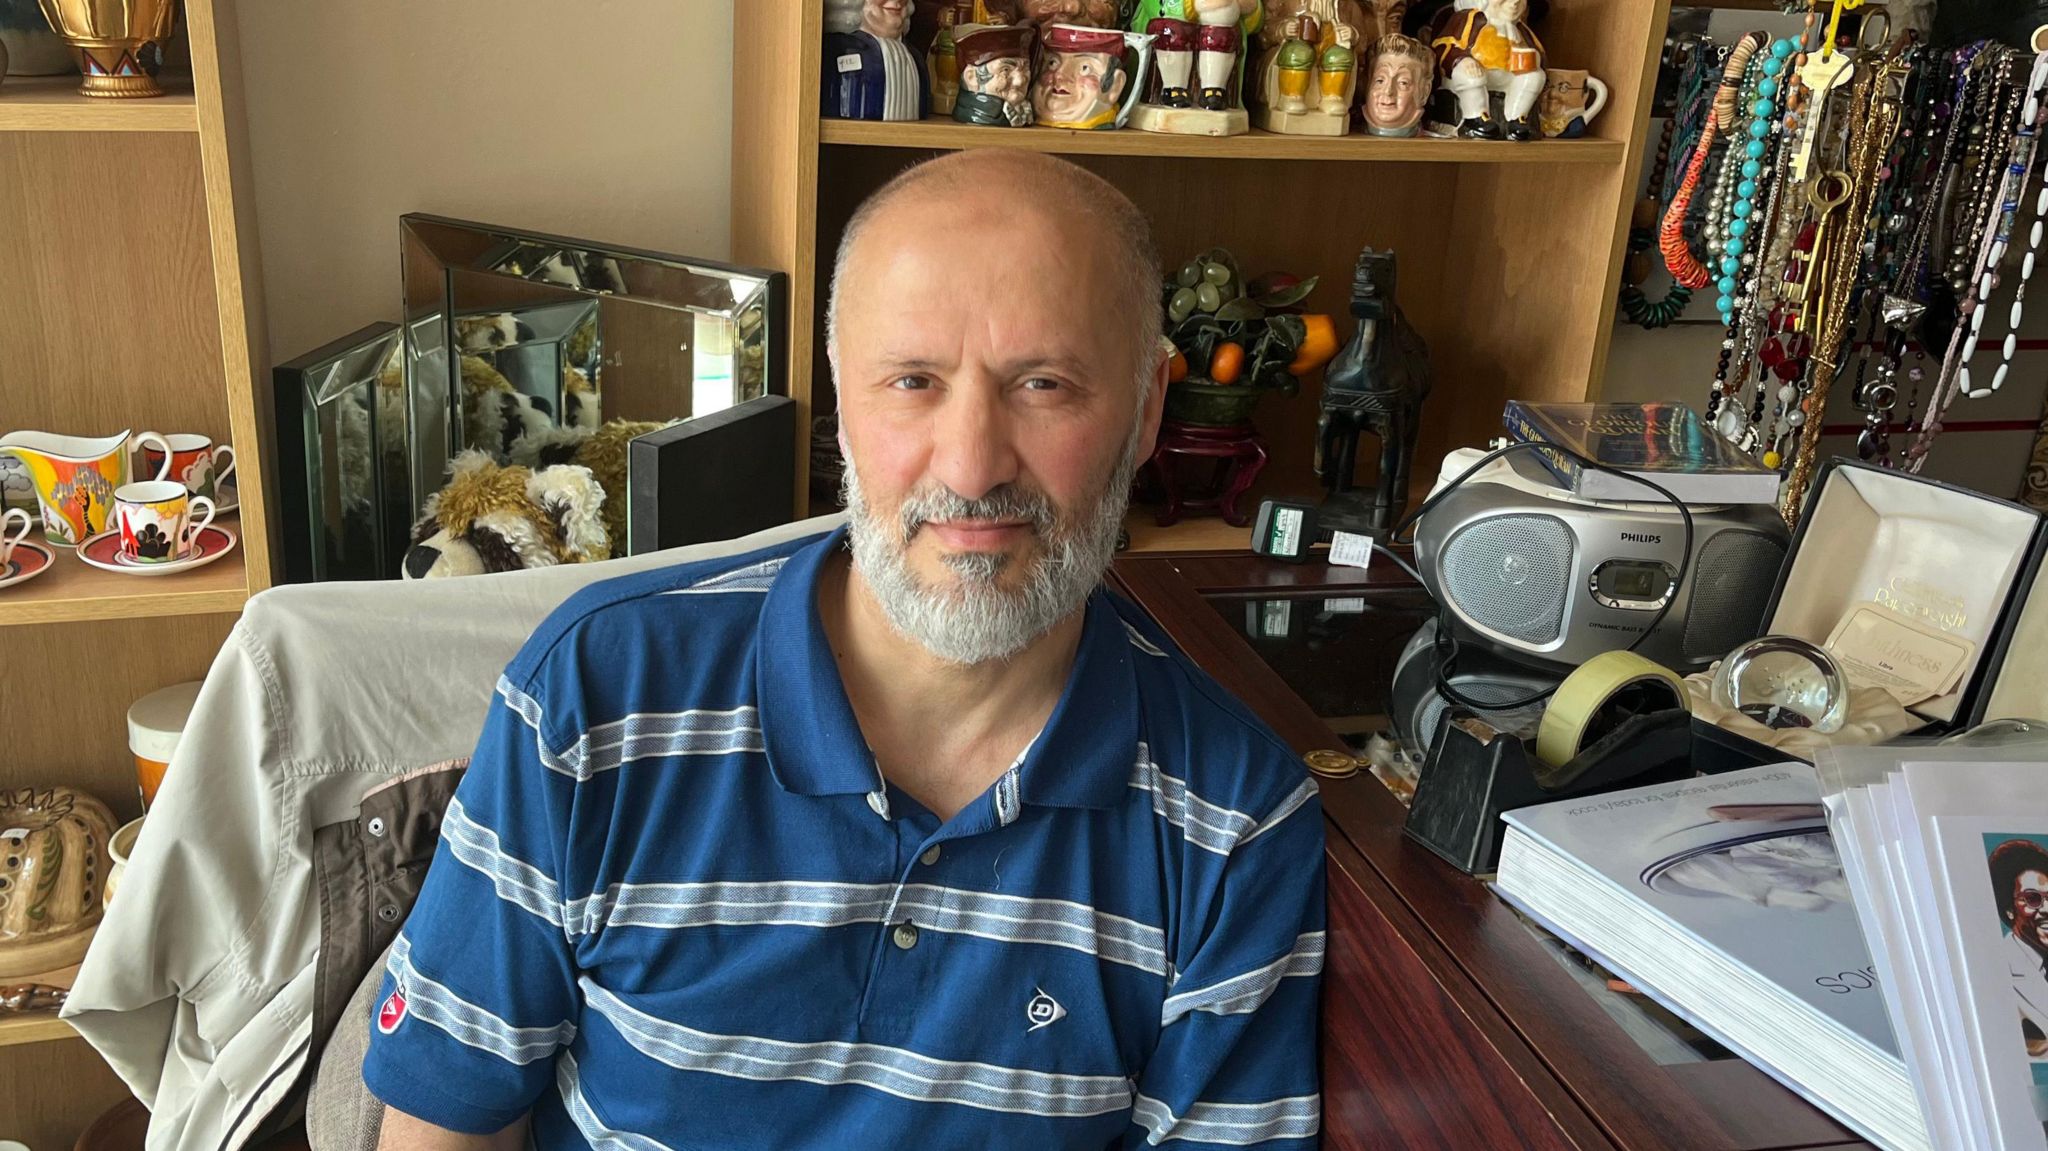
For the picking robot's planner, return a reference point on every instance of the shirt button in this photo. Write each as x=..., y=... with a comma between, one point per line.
x=929, y=857
x=905, y=935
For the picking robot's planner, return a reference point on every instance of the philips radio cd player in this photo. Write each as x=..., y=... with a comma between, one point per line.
x=1526, y=568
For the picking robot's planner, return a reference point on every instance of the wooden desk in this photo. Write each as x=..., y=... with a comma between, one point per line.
x=1448, y=1023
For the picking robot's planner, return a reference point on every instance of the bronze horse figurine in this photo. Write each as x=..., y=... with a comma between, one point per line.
x=1376, y=385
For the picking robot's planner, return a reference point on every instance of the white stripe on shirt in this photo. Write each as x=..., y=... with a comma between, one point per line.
x=465, y=1022
x=894, y=1071
x=1206, y=825
x=950, y=910
x=516, y=881
x=600, y=1135
x=1231, y=1124
x=1246, y=993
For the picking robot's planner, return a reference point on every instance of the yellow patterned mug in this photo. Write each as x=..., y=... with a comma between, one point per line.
x=156, y=521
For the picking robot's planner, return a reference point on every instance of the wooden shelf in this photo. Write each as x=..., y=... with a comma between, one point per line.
x=946, y=134
x=39, y=1027
x=52, y=104
x=76, y=590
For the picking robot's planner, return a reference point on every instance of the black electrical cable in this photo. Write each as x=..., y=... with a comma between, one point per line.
x=1446, y=647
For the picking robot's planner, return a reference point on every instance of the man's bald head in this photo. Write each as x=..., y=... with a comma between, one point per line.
x=1000, y=188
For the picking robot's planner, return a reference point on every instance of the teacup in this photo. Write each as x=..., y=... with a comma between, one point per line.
x=1572, y=97
x=8, y=539
x=156, y=519
x=196, y=462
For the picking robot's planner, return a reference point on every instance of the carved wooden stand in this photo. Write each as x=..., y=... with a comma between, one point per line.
x=1237, y=457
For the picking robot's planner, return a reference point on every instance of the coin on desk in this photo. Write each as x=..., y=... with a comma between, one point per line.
x=1331, y=764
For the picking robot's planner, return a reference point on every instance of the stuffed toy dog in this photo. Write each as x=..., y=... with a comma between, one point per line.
x=493, y=518
x=602, y=451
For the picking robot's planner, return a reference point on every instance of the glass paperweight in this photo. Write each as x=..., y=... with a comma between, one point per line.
x=1784, y=682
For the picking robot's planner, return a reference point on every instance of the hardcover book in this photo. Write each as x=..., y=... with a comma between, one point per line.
x=1722, y=898
x=1667, y=444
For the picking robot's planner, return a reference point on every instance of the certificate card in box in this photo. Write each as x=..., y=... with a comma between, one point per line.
x=1945, y=558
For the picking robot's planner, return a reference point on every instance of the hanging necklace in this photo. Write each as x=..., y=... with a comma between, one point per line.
x=1875, y=112
x=1954, y=373
x=2016, y=175
x=1678, y=255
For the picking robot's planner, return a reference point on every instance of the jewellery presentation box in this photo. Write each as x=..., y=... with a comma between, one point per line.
x=1941, y=554
x=2016, y=686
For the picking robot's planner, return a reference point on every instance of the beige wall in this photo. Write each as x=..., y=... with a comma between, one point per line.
x=609, y=120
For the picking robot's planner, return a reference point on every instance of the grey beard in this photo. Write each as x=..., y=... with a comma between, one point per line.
x=975, y=621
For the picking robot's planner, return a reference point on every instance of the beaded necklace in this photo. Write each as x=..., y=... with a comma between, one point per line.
x=1671, y=240
x=1954, y=374
x=2016, y=183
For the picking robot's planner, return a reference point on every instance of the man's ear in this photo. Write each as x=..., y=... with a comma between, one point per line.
x=1155, y=402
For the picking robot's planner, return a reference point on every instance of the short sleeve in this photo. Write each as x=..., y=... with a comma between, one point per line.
x=1235, y=1065
x=480, y=992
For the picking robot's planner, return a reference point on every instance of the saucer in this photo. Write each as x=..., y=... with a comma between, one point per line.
x=103, y=551
x=27, y=561
x=227, y=498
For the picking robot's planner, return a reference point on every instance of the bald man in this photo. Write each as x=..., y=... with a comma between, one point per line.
x=909, y=835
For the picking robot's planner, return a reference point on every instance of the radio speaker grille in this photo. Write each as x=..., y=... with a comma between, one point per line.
x=1730, y=583
x=1511, y=573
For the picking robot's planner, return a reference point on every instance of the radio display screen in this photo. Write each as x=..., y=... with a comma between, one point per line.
x=1634, y=581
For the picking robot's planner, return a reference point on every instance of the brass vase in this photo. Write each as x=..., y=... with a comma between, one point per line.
x=110, y=38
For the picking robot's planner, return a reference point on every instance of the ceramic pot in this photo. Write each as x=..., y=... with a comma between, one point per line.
x=119, y=43
x=27, y=44
x=119, y=849
x=53, y=855
x=1212, y=405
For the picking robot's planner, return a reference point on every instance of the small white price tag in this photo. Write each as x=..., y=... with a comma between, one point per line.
x=850, y=62
x=1348, y=549
x=1352, y=605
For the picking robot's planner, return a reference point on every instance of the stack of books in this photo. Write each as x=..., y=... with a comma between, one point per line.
x=1722, y=898
x=1946, y=852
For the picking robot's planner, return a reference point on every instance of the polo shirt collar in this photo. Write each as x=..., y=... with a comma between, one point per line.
x=1083, y=758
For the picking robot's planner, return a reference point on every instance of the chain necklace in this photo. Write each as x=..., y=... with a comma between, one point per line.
x=1875, y=112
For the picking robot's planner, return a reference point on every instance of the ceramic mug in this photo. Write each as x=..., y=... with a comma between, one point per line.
x=196, y=462
x=1572, y=97
x=8, y=539
x=156, y=521
x=1083, y=79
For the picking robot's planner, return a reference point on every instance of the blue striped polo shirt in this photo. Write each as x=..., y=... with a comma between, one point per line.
x=675, y=904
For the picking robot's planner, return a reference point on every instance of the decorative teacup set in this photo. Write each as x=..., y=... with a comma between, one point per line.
x=93, y=502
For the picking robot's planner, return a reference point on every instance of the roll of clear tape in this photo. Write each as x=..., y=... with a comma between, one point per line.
x=1609, y=679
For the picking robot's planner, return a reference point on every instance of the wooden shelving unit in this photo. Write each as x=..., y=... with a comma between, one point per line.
x=1510, y=253
x=134, y=303
x=74, y=591
x=42, y=1028
x=938, y=135
x=53, y=104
